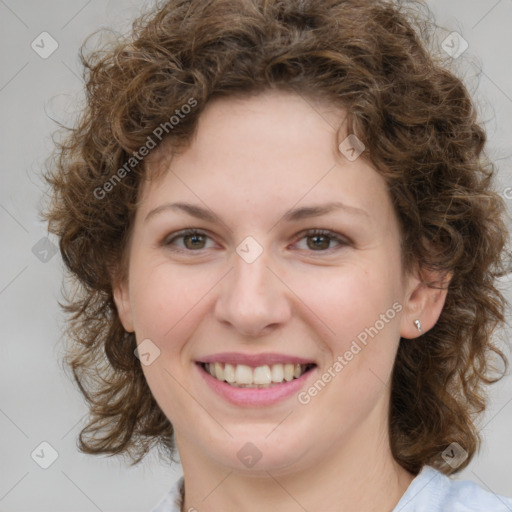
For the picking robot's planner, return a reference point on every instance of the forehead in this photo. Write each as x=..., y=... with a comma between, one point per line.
x=272, y=149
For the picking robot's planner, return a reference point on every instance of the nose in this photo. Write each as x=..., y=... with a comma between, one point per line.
x=253, y=299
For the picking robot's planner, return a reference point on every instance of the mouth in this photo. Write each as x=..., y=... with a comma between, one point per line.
x=263, y=376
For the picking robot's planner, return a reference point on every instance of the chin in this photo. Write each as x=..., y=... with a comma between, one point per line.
x=258, y=454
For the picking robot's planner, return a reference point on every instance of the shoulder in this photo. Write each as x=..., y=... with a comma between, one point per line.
x=433, y=491
x=173, y=500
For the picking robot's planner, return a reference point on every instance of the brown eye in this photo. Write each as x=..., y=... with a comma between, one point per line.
x=194, y=241
x=321, y=241
x=191, y=241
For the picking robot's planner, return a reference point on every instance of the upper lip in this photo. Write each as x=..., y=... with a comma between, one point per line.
x=254, y=360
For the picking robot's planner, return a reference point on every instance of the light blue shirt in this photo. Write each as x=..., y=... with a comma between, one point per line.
x=430, y=491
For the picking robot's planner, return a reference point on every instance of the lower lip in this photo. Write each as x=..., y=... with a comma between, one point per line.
x=255, y=396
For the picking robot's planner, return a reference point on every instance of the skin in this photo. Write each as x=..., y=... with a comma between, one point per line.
x=251, y=161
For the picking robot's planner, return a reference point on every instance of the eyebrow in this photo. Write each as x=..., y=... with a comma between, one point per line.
x=290, y=216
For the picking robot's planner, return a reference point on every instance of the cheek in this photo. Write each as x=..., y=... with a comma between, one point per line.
x=168, y=304
x=167, y=301
x=359, y=305
x=350, y=300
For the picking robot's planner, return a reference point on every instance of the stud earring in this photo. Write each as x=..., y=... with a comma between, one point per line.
x=418, y=325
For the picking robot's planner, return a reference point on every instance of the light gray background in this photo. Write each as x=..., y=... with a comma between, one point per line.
x=37, y=401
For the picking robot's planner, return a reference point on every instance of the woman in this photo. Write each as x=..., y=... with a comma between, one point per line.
x=283, y=224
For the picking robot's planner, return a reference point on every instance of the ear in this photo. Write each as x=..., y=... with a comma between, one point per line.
x=122, y=300
x=423, y=302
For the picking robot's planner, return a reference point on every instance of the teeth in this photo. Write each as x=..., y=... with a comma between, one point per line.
x=219, y=371
x=242, y=375
x=229, y=373
x=277, y=373
x=262, y=375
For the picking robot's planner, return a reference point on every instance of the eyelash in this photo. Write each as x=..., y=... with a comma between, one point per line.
x=309, y=233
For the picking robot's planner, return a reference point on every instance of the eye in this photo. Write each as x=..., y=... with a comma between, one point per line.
x=319, y=240
x=192, y=240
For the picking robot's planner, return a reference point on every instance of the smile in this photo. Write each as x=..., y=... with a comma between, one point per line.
x=264, y=376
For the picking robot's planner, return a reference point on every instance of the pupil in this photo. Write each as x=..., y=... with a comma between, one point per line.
x=321, y=246
x=194, y=238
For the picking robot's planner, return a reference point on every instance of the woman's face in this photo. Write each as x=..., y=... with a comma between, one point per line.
x=258, y=288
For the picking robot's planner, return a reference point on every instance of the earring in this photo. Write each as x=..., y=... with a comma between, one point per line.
x=418, y=325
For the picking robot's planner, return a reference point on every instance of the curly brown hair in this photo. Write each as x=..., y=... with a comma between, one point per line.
x=419, y=125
